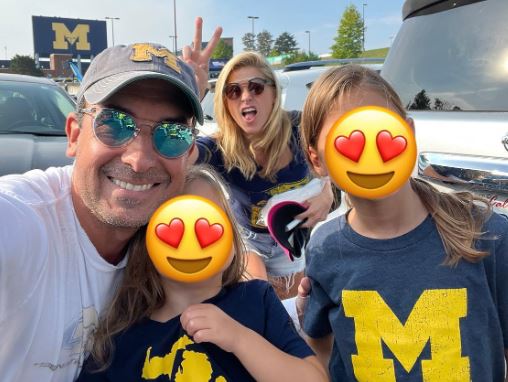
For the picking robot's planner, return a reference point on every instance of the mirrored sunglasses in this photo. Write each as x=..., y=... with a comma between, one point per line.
x=255, y=86
x=115, y=128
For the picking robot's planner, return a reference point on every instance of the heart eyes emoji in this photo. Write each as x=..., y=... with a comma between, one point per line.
x=352, y=147
x=172, y=233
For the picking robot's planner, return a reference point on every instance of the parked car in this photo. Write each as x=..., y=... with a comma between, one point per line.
x=32, y=123
x=449, y=64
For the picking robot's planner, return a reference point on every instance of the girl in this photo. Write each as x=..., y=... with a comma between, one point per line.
x=412, y=286
x=257, y=151
x=214, y=330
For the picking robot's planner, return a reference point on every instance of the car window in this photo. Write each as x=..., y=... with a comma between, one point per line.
x=449, y=60
x=33, y=107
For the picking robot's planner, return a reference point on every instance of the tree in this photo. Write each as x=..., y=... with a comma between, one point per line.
x=420, y=102
x=285, y=43
x=249, y=41
x=222, y=50
x=348, y=42
x=264, y=42
x=24, y=65
x=300, y=56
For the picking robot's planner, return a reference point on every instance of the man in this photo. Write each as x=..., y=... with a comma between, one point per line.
x=64, y=232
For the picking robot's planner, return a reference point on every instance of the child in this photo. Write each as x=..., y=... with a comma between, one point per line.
x=219, y=329
x=409, y=287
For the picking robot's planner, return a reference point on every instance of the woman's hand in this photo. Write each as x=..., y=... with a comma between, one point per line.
x=208, y=323
x=318, y=207
x=197, y=58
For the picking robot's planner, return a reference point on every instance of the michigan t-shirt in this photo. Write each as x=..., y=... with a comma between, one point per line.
x=162, y=351
x=397, y=313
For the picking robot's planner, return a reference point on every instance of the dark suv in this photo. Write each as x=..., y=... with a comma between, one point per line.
x=449, y=64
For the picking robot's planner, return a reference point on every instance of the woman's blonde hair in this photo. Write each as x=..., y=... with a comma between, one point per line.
x=237, y=150
x=459, y=217
x=140, y=292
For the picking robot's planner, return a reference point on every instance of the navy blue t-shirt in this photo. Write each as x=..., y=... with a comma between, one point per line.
x=162, y=351
x=397, y=313
x=250, y=196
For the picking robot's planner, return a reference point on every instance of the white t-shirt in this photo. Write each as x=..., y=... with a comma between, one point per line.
x=53, y=282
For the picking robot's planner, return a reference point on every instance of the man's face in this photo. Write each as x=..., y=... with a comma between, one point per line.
x=123, y=186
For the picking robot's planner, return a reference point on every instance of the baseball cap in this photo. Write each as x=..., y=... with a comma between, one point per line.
x=292, y=240
x=120, y=65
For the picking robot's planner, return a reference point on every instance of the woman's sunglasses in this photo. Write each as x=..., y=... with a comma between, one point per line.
x=115, y=128
x=255, y=86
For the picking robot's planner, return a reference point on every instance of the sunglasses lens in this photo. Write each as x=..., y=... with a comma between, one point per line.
x=114, y=128
x=233, y=91
x=172, y=140
x=256, y=87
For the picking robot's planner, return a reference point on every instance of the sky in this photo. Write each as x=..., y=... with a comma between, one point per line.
x=153, y=21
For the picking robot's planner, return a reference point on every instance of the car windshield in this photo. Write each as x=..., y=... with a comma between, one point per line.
x=27, y=107
x=463, y=66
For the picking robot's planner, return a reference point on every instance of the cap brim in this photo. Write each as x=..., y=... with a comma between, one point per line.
x=105, y=88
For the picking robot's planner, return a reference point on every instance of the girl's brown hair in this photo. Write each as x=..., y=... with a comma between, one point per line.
x=459, y=217
x=140, y=292
x=237, y=150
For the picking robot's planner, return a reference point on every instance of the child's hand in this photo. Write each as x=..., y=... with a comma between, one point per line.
x=208, y=323
x=301, y=299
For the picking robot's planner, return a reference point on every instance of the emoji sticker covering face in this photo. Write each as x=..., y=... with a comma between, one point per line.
x=370, y=152
x=189, y=238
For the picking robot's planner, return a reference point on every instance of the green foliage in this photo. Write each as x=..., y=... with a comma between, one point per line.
x=249, y=41
x=348, y=42
x=300, y=56
x=24, y=65
x=264, y=42
x=285, y=43
x=375, y=53
x=222, y=50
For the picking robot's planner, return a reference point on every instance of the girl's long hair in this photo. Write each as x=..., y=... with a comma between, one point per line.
x=237, y=150
x=140, y=292
x=459, y=217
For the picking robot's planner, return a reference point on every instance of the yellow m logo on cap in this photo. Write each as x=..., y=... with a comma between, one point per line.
x=145, y=52
x=434, y=317
x=78, y=37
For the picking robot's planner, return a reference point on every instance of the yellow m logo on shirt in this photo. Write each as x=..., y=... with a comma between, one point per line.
x=435, y=318
x=64, y=37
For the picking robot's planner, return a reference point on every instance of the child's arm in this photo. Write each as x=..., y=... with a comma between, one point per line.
x=264, y=361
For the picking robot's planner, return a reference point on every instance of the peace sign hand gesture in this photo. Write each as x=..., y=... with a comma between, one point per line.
x=198, y=58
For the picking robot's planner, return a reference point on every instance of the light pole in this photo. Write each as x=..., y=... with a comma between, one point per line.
x=5, y=48
x=112, y=27
x=253, y=18
x=308, y=32
x=173, y=38
x=363, y=26
x=174, y=34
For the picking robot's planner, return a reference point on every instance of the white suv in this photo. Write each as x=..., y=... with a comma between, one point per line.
x=449, y=64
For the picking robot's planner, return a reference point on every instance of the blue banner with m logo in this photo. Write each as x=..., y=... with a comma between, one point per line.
x=68, y=36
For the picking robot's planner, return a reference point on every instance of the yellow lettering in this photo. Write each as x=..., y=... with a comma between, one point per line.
x=193, y=366
x=435, y=318
x=145, y=52
x=64, y=37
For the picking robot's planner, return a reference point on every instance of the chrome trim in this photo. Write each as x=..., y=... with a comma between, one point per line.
x=465, y=171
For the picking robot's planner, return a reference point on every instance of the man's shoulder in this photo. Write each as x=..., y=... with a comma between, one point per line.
x=37, y=187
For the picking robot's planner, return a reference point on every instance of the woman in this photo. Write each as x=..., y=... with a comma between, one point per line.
x=257, y=150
